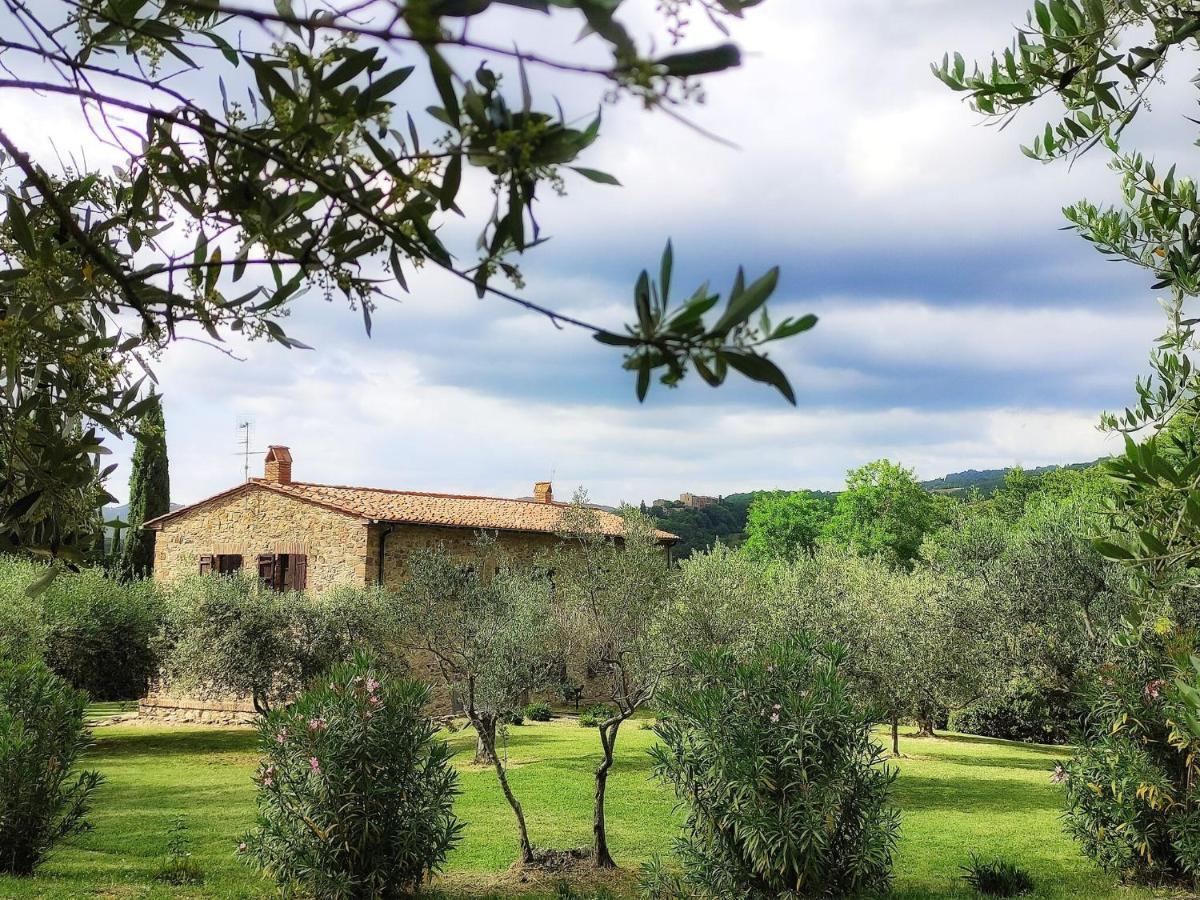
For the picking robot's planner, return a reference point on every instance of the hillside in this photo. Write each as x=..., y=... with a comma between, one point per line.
x=699, y=528
x=986, y=481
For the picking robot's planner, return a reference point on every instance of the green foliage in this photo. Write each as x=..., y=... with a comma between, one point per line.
x=1026, y=711
x=43, y=798
x=592, y=716
x=780, y=526
x=997, y=878
x=95, y=632
x=62, y=364
x=781, y=779
x=1131, y=785
x=702, y=528
x=883, y=512
x=224, y=635
x=180, y=868
x=356, y=793
x=537, y=712
x=149, y=490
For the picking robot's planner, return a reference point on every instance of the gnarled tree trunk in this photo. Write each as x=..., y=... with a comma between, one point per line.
x=601, y=858
x=485, y=729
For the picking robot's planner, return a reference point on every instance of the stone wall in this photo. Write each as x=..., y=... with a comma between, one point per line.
x=258, y=520
x=462, y=542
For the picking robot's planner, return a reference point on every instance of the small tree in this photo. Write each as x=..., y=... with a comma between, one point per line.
x=616, y=599
x=43, y=799
x=490, y=640
x=149, y=490
x=356, y=794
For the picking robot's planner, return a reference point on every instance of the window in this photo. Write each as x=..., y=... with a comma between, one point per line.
x=220, y=563
x=283, y=571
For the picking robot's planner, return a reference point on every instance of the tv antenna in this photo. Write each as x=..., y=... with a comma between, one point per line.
x=246, y=427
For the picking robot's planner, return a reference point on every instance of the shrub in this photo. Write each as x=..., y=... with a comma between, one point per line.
x=997, y=878
x=514, y=717
x=100, y=633
x=224, y=635
x=538, y=712
x=1025, y=712
x=781, y=779
x=355, y=793
x=42, y=735
x=1133, y=783
x=95, y=632
x=592, y=716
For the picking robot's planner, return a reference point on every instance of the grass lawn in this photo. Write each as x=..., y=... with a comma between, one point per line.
x=958, y=794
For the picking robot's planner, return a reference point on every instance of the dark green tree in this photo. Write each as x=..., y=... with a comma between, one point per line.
x=149, y=491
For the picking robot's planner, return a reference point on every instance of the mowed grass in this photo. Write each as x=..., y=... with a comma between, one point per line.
x=958, y=795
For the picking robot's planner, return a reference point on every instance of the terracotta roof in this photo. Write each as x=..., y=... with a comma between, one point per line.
x=415, y=507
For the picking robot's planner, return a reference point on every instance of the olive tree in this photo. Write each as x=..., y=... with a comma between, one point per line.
x=615, y=596
x=486, y=626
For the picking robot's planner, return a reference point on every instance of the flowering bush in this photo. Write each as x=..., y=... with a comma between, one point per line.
x=1133, y=784
x=42, y=736
x=355, y=792
x=785, y=789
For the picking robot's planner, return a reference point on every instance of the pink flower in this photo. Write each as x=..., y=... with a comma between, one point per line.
x=282, y=736
x=318, y=724
x=242, y=847
x=315, y=765
x=770, y=668
x=268, y=776
x=1059, y=775
x=776, y=707
x=372, y=685
x=775, y=717
x=1154, y=688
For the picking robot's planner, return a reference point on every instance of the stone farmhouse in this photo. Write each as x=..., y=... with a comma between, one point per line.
x=308, y=537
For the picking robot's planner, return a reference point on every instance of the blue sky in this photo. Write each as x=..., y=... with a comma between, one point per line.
x=959, y=326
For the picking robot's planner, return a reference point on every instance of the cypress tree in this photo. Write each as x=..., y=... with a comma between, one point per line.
x=149, y=491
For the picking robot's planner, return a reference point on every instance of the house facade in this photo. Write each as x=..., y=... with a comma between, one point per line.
x=309, y=537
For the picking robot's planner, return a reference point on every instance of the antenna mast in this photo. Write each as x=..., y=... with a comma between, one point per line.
x=246, y=427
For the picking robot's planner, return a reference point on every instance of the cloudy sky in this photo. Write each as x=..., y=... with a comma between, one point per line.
x=959, y=327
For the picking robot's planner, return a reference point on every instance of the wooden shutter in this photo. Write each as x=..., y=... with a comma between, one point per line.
x=298, y=566
x=206, y=564
x=266, y=568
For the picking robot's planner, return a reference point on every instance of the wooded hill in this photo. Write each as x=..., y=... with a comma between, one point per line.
x=725, y=520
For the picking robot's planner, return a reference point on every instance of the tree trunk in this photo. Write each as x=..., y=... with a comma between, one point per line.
x=601, y=858
x=485, y=739
x=485, y=728
x=925, y=727
x=895, y=735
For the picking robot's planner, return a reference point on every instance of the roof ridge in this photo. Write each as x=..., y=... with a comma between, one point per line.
x=441, y=494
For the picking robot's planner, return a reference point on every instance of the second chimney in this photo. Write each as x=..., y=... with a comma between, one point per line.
x=543, y=492
x=278, y=466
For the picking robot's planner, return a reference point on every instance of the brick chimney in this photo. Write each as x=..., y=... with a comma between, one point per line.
x=278, y=465
x=543, y=492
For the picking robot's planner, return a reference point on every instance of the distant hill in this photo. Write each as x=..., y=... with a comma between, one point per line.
x=987, y=481
x=699, y=528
